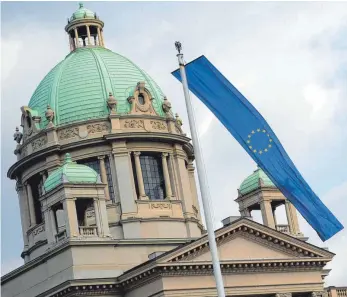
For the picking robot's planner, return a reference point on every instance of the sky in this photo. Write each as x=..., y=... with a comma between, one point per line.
x=288, y=58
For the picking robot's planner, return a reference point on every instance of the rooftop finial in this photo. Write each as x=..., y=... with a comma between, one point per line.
x=80, y=4
x=178, y=46
x=67, y=158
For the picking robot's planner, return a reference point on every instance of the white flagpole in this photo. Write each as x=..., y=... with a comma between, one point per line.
x=205, y=193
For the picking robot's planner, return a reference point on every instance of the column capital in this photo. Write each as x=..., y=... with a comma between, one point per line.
x=164, y=155
x=137, y=153
x=101, y=157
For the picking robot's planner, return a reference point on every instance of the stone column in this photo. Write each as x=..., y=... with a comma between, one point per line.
x=71, y=222
x=102, y=37
x=139, y=176
x=166, y=176
x=97, y=217
x=48, y=226
x=88, y=33
x=292, y=218
x=76, y=37
x=245, y=212
x=31, y=205
x=24, y=212
x=105, y=230
x=266, y=213
x=104, y=176
x=72, y=47
x=54, y=223
x=99, y=36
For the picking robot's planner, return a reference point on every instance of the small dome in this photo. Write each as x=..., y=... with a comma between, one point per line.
x=82, y=13
x=251, y=183
x=78, y=87
x=71, y=172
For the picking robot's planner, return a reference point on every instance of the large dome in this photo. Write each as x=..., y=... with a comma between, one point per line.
x=78, y=87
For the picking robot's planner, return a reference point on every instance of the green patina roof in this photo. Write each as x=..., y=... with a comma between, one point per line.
x=252, y=182
x=71, y=172
x=78, y=87
x=82, y=13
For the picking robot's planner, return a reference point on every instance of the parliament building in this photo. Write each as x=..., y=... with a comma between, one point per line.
x=108, y=198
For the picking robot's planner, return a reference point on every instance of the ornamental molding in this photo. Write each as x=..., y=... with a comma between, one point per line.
x=68, y=133
x=134, y=124
x=158, y=125
x=38, y=143
x=98, y=128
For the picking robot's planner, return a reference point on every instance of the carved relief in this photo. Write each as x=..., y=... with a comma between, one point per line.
x=68, y=133
x=39, y=230
x=38, y=143
x=97, y=128
x=160, y=205
x=157, y=125
x=90, y=213
x=134, y=124
x=24, y=151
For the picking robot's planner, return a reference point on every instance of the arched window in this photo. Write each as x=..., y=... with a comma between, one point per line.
x=141, y=99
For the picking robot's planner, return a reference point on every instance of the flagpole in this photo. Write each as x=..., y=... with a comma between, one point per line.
x=205, y=194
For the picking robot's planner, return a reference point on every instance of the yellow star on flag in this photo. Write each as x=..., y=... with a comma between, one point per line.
x=258, y=130
x=253, y=132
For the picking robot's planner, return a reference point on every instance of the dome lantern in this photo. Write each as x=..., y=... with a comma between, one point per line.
x=84, y=29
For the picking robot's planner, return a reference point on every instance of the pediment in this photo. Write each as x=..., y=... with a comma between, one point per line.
x=247, y=240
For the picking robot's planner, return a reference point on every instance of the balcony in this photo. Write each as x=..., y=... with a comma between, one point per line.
x=283, y=228
x=88, y=231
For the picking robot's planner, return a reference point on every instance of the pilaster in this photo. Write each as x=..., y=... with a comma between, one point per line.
x=24, y=212
x=104, y=176
x=71, y=221
x=31, y=205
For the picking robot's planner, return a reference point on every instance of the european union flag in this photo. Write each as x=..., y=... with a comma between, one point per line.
x=251, y=130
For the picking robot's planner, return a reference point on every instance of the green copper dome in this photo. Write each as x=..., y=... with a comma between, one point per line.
x=82, y=13
x=251, y=183
x=78, y=87
x=71, y=172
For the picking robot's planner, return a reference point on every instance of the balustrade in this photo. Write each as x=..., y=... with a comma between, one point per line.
x=88, y=231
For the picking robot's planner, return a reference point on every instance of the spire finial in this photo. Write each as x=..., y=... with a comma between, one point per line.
x=80, y=4
x=178, y=46
x=67, y=158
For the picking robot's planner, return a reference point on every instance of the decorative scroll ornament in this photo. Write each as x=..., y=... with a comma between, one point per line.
x=49, y=116
x=134, y=124
x=97, y=128
x=112, y=104
x=68, y=133
x=38, y=143
x=166, y=106
x=17, y=136
x=157, y=125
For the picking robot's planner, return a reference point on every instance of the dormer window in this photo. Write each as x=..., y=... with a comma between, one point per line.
x=141, y=99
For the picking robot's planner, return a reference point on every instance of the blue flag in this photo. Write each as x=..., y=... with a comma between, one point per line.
x=251, y=130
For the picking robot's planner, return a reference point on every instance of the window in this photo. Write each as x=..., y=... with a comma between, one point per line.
x=95, y=164
x=141, y=99
x=36, y=190
x=153, y=178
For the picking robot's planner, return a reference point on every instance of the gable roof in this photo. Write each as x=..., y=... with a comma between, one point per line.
x=296, y=249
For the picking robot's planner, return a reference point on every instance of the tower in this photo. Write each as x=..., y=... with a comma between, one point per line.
x=103, y=166
x=257, y=192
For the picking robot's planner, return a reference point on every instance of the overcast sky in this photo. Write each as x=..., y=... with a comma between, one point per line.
x=288, y=59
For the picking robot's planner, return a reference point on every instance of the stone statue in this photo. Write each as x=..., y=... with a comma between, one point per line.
x=166, y=106
x=49, y=116
x=112, y=103
x=18, y=136
x=178, y=121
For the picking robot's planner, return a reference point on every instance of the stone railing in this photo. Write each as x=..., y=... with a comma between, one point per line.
x=282, y=228
x=337, y=291
x=88, y=231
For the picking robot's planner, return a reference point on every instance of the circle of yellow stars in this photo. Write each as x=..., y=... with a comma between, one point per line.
x=263, y=150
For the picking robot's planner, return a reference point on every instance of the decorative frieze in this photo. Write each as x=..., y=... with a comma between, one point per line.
x=38, y=143
x=68, y=133
x=160, y=205
x=38, y=230
x=134, y=124
x=97, y=128
x=158, y=125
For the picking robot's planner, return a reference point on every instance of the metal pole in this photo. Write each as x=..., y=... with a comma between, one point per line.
x=205, y=194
